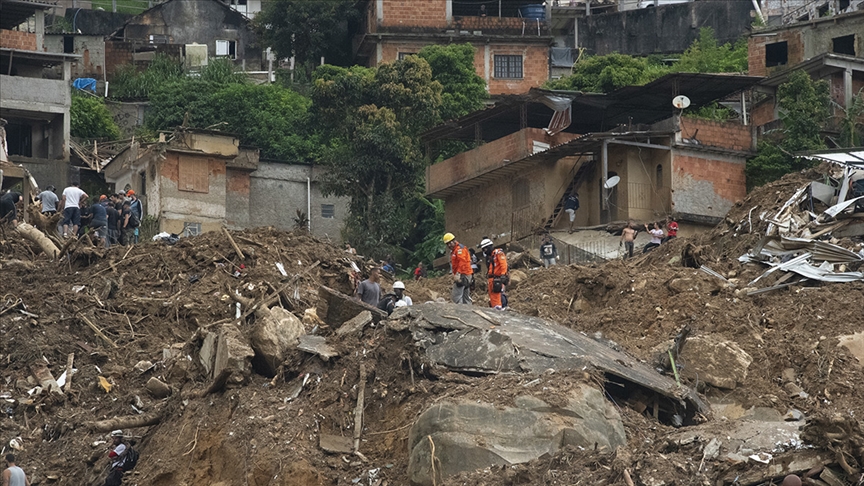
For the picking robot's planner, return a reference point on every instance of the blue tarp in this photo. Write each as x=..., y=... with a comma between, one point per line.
x=85, y=84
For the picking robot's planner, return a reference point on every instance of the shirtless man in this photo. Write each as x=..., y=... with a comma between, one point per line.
x=628, y=236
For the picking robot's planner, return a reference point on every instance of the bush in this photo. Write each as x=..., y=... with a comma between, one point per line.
x=90, y=119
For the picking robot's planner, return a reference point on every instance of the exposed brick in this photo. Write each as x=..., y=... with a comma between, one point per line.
x=16, y=39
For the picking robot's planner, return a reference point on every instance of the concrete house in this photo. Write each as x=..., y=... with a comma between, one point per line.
x=829, y=48
x=198, y=180
x=513, y=184
x=34, y=93
x=195, y=30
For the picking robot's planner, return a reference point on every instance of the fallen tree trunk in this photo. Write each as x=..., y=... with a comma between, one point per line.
x=128, y=422
x=31, y=233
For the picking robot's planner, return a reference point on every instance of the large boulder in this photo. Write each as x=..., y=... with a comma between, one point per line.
x=276, y=332
x=467, y=435
x=712, y=360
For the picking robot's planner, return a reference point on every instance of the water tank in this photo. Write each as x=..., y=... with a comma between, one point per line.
x=533, y=12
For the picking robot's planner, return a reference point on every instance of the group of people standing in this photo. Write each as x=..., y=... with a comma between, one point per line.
x=369, y=292
x=658, y=236
x=463, y=270
x=114, y=219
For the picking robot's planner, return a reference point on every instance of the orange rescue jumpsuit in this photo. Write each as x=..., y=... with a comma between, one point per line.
x=497, y=265
x=460, y=261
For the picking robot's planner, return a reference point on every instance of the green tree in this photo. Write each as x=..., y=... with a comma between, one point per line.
x=463, y=91
x=371, y=118
x=852, y=124
x=89, y=118
x=705, y=55
x=604, y=74
x=130, y=83
x=805, y=106
x=308, y=29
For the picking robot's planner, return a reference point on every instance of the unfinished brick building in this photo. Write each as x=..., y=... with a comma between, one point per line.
x=512, y=44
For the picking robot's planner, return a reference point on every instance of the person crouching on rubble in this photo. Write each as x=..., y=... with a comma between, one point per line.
x=460, y=266
x=496, y=274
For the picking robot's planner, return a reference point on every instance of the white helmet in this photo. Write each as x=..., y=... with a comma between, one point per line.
x=117, y=433
x=486, y=243
x=398, y=285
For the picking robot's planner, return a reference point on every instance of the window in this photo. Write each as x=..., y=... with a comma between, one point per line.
x=143, y=183
x=328, y=211
x=68, y=44
x=194, y=175
x=403, y=55
x=844, y=45
x=191, y=229
x=508, y=67
x=19, y=139
x=226, y=48
x=776, y=54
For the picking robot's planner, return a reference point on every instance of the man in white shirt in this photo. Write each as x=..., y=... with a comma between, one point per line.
x=401, y=298
x=14, y=475
x=70, y=202
x=656, y=237
x=117, y=456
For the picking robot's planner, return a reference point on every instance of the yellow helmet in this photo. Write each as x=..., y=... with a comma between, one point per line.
x=448, y=237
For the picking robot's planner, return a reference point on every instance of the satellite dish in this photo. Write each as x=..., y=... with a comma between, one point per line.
x=680, y=102
x=612, y=182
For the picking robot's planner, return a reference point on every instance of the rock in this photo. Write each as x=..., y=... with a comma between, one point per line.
x=207, y=353
x=336, y=444
x=143, y=366
x=517, y=277
x=715, y=361
x=157, y=388
x=317, y=345
x=233, y=352
x=355, y=324
x=274, y=334
x=334, y=308
x=794, y=390
x=788, y=375
x=712, y=449
x=468, y=435
x=310, y=317
x=793, y=415
x=854, y=343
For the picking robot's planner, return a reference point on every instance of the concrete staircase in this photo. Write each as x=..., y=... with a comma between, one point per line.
x=581, y=168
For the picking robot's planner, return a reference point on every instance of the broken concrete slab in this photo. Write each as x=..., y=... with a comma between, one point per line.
x=276, y=332
x=335, y=308
x=355, y=324
x=336, y=444
x=317, y=345
x=459, y=339
x=207, y=353
x=467, y=435
x=715, y=361
x=233, y=353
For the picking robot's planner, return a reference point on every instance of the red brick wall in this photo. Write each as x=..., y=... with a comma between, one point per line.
x=727, y=177
x=416, y=13
x=763, y=113
x=16, y=39
x=756, y=52
x=119, y=52
x=535, y=67
x=728, y=135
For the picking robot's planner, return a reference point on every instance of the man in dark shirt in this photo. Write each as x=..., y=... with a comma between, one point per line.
x=113, y=217
x=99, y=223
x=128, y=223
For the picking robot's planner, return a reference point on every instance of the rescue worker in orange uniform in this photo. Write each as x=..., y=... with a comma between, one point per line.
x=496, y=273
x=460, y=266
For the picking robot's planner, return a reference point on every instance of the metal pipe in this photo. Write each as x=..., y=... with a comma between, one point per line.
x=604, y=156
x=758, y=10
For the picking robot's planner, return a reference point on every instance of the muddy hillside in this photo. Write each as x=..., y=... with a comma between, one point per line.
x=236, y=358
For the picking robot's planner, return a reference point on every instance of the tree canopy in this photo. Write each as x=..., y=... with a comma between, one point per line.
x=603, y=74
x=308, y=29
x=90, y=119
x=463, y=90
x=805, y=106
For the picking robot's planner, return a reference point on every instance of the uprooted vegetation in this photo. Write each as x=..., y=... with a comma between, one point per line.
x=286, y=410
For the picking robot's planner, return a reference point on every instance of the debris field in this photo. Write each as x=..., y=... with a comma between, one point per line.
x=226, y=369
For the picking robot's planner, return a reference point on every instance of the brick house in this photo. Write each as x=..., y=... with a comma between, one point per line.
x=829, y=48
x=513, y=184
x=34, y=93
x=512, y=52
x=198, y=180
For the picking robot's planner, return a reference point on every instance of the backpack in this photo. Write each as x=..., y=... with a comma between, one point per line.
x=134, y=222
x=131, y=459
